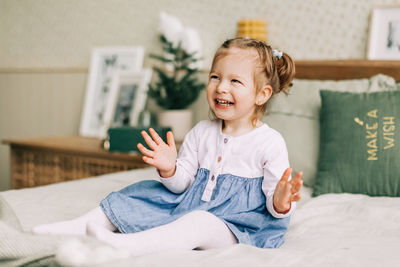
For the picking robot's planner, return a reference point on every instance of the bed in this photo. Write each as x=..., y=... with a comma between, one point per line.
x=334, y=227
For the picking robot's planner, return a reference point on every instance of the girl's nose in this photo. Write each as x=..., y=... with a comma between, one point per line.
x=222, y=87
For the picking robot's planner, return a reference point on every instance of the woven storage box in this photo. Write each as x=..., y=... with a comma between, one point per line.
x=33, y=168
x=44, y=161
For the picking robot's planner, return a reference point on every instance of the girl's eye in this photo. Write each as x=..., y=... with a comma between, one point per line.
x=235, y=81
x=213, y=77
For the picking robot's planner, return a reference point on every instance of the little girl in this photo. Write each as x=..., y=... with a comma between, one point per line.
x=231, y=181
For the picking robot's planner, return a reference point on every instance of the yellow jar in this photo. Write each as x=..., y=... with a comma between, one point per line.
x=252, y=28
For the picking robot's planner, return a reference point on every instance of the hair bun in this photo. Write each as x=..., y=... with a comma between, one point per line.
x=286, y=71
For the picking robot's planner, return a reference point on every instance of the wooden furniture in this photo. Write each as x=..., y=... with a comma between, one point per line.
x=43, y=161
x=345, y=69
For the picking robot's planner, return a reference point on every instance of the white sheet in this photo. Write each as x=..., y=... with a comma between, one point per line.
x=329, y=230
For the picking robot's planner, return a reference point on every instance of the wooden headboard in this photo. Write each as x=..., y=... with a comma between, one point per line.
x=345, y=69
x=305, y=69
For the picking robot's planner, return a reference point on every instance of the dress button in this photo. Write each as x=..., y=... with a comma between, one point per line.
x=226, y=140
x=212, y=178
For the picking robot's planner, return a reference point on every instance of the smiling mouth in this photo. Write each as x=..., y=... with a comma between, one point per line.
x=224, y=103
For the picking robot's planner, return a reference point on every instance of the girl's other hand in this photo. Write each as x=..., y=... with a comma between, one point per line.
x=287, y=191
x=162, y=155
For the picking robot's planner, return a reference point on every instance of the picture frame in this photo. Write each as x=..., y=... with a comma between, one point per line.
x=127, y=99
x=384, y=33
x=105, y=62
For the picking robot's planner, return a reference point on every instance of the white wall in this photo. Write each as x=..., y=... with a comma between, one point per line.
x=45, y=47
x=47, y=33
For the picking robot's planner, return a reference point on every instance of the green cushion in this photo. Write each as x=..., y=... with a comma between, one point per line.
x=359, y=144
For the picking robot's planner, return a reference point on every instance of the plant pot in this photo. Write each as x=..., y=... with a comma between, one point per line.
x=180, y=122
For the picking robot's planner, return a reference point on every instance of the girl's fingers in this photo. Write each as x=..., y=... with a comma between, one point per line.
x=145, y=151
x=148, y=160
x=286, y=174
x=296, y=182
x=298, y=176
x=148, y=140
x=295, y=198
x=170, y=139
x=155, y=136
x=298, y=186
x=288, y=189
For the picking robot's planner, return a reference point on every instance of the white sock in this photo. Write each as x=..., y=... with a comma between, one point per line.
x=197, y=229
x=74, y=252
x=75, y=226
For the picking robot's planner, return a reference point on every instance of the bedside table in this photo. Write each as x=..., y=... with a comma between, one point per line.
x=41, y=161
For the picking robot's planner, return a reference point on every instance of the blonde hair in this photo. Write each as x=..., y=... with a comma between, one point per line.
x=270, y=70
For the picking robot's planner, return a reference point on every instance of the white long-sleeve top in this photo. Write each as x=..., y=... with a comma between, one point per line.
x=259, y=153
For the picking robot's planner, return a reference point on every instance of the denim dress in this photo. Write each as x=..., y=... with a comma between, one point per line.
x=239, y=201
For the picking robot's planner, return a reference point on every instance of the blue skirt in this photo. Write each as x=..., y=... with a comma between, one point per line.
x=238, y=201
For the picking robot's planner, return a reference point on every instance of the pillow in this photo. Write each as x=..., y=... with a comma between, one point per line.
x=359, y=144
x=304, y=99
x=296, y=117
x=301, y=135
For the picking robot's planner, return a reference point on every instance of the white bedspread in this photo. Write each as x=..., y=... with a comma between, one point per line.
x=329, y=230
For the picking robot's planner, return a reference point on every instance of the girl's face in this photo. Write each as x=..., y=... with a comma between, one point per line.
x=231, y=91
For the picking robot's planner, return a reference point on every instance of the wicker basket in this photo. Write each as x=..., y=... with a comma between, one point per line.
x=34, y=167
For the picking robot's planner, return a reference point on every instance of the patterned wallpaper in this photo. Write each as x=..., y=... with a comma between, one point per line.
x=47, y=33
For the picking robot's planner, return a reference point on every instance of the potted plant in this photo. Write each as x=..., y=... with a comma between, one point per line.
x=177, y=87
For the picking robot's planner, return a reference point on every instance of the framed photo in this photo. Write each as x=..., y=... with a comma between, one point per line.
x=105, y=62
x=384, y=34
x=127, y=99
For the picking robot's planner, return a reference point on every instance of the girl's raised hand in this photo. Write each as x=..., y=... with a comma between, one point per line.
x=162, y=155
x=287, y=191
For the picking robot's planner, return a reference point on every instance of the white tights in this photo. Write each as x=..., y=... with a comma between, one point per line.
x=197, y=229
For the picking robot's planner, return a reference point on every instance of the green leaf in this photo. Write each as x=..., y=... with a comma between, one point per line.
x=161, y=58
x=168, y=91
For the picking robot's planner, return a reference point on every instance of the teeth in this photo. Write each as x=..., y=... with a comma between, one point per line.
x=223, y=102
